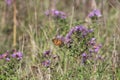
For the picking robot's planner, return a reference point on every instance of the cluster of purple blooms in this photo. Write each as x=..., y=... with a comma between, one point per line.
x=47, y=53
x=48, y=56
x=46, y=63
x=93, y=48
x=94, y=14
x=16, y=54
x=59, y=14
x=56, y=13
x=8, y=2
x=68, y=38
x=83, y=30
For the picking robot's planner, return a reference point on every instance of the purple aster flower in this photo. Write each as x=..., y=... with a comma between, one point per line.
x=79, y=28
x=84, y=58
x=91, y=50
x=14, y=55
x=1, y=57
x=96, y=48
x=67, y=40
x=17, y=55
x=7, y=59
x=70, y=33
x=60, y=38
x=74, y=29
x=4, y=55
x=56, y=13
x=68, y=36
x=95, y=13
x=46, y=53
x=90, y=30
x=84, y=55
x=91, y=14
x=47, y=13
x=46, y=63
x=92, y=41
x=84, y=31
x=62, y=15
x=8, y=2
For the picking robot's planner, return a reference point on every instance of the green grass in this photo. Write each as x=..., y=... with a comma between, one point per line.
x=35, y=32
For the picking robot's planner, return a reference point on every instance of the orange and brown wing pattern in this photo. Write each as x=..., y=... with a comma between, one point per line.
x=57, y=41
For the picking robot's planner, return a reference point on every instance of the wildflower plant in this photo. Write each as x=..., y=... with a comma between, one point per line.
x=8, y=56
x=49, y=59
x=77, y=39
x=58, y=45
x=10, y=63
x=80, y=40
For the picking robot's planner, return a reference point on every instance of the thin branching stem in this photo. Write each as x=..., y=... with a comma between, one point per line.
x=15, y=23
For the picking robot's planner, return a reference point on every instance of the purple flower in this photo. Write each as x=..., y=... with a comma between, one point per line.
x=84, y=58
x=96, y=48
x=62, y=15
x=17, y=55
x=46, y=53
x=84, y=55
x=83, y=31
x=69, y=34
x=95, y=13
x=67, y=40
x=47, y=13
x=91, y=50
x=60, y=38
x=1, y=57
x=56, y=13
x=8, y=2
x=92, y=41
x=74, y=29
x=7, y=59
x=4, y=55
x=90, y=30
x=79, y=28
x=46, y=63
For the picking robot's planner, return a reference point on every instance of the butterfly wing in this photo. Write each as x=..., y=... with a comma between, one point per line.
x=57, y=42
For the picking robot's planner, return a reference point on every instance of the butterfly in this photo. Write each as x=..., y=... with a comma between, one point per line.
x=57, y=42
